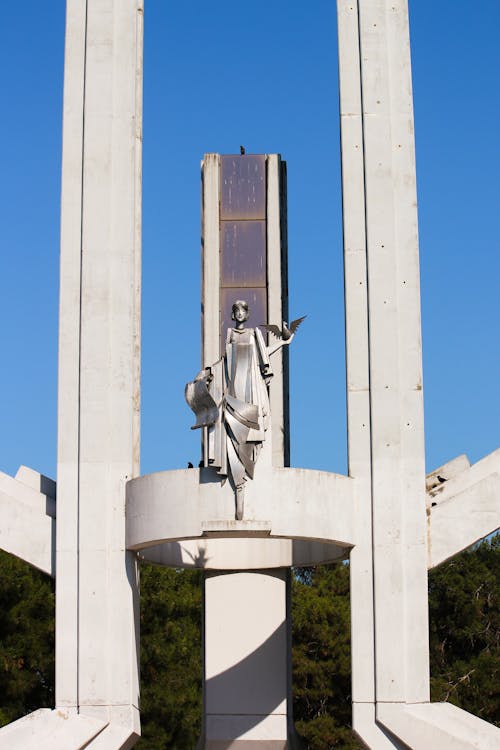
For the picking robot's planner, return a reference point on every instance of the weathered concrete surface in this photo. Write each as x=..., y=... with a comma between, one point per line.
x=51, y=730
x=422, y=726
x=99, y=360
x=464, y=506
x=287, y=503
x=390, y=659
x=27, y=518
x=246, y=660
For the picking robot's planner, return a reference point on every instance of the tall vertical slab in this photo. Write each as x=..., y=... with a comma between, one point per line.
x=99, y=360
x=384, y=371
x=247, y=667
x=245, y=255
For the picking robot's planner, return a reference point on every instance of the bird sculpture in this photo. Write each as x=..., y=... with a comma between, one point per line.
x=286, y=332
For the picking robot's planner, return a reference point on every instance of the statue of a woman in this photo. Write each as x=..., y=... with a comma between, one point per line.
x=230, y=398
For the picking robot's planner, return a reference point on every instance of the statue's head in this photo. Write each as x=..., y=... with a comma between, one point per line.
x=240, y=311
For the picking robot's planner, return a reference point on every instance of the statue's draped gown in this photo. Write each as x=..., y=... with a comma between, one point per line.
x=242, y=376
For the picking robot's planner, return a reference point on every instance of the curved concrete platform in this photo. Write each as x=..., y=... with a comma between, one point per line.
x=185, y=518
x=242, y=554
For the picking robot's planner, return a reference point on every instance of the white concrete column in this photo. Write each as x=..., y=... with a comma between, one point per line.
x=384, y=373
x=396, y=402
x=99, y=361
x=390, y=654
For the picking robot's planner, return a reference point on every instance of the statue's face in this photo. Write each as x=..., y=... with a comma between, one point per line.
x=240, y=312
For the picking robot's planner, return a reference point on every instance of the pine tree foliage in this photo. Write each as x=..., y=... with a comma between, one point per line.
x=26, y=639
x=464, y=613
x=171, y=664
x=321, y=657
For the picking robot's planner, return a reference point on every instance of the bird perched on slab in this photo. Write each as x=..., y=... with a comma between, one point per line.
x=242, y=150
x=286, y=332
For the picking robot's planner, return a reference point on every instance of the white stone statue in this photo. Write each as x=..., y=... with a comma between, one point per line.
x=230, y=398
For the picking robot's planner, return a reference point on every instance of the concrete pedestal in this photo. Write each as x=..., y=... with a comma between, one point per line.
x=246, y=670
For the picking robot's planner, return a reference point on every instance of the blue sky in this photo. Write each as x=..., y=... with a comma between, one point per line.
x=218, y=75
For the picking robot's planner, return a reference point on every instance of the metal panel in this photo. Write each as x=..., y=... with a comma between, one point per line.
x=243, y=253
x=243, y=187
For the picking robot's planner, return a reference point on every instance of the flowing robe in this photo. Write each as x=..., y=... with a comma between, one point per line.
x=246, y=403
x=237, y=388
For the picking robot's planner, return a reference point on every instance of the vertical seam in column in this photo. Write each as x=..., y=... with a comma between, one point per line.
x=136, y=438
x=80, y=363
x=362, y=115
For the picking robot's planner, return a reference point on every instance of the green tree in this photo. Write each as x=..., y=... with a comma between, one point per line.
x=321, y=658
x=464, y=598
x=171, y=666
x=26, y=639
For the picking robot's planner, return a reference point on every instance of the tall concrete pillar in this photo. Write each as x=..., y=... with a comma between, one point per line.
x=99, y=361
x=384, y=370
x=390, y=654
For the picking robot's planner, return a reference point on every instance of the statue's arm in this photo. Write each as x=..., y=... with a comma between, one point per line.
x=265, y=364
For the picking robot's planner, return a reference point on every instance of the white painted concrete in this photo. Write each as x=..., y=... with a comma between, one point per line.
x=438, y=725
x=114, y=737
x=27, y=518
x=435, y=479
x=464, y=508
x=50, y=730
x=99, y=348
x=290, y=503
x=210, y=260
x=277, y=307
x=357, y=349
x=229, y=553
x=396, y=405
x=38, y=482
x=385, y=413
x=246, y=657
x=390, y=679
x=373, y=735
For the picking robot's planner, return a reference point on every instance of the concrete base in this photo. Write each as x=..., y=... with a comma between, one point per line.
x=437, y=725
x=292, y=743
x=248, y=745
x=44, y=729
x=247, y=693
x=65, y=730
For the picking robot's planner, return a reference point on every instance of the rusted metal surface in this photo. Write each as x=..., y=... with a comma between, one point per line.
x=243, y=238
x=243, y=253
x=243, y=187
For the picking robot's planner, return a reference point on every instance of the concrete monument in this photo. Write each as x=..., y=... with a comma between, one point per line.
x=104, y=518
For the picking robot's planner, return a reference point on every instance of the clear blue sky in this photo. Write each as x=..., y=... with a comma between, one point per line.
x=264, y=75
